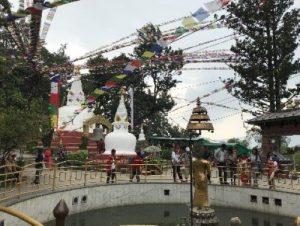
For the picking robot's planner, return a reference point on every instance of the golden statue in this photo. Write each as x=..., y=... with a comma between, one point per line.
x=201, y=173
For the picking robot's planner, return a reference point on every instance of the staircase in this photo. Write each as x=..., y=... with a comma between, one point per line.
x=72, y=140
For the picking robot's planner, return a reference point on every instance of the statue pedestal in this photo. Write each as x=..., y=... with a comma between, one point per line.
x=204, y=216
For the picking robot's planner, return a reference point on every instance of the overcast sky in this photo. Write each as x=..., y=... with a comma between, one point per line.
x=89, y=24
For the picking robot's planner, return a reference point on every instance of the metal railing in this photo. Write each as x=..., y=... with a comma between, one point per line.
x=20, y=215
x=29, y=179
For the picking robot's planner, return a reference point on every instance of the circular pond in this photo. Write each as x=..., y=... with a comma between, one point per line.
x=166, y=215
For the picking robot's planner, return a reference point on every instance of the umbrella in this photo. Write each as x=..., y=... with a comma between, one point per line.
x=152, y=149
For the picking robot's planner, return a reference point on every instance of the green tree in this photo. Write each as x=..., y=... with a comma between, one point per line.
x=238, y=141
x=150, y=103
x=267, y=37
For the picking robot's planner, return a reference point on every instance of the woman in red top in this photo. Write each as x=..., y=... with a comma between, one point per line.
x=111, y=167
x=47, y=158
x=137, y=161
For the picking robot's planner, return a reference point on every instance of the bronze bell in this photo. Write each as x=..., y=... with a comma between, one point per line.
x=199, y=119
x=97, y=133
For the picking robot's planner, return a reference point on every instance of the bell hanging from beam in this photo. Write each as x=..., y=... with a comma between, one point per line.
x=97, y=133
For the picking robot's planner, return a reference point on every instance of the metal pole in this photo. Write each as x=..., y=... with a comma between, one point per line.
x=131, y=107
x=191, y=179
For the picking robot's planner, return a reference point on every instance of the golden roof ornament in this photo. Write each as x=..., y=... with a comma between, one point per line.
x=199, y=119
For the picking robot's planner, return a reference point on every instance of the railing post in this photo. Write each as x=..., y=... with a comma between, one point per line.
x=54, y=177
x=60, y=212
x=85, y=173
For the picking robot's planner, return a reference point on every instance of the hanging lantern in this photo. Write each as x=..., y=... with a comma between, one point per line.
x=199, y=119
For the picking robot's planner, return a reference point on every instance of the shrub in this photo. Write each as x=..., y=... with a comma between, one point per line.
x=80, y=155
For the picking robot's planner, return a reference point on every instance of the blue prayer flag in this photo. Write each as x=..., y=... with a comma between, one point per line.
x=200, y=14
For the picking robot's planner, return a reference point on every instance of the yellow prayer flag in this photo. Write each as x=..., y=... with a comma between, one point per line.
x=189, y=22
x=120, y=76
x=98, y=92
x=148, y=54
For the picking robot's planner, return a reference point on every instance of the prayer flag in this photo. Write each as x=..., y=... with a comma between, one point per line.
x=148, y=54
x=189, y=22
x=54, y=121
x=156, y=48
x=200, y=14
x=55, y=78
x=162, y=43
x=129, y=68
x=110, y=84
x=136, y=63
x=54, y=98
x=213, y=6
x=98, y=92
x=54, y=87
x=120, y=77
x=52, y=109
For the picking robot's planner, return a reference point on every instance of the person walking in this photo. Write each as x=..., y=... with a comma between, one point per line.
x=185, y=159
x=137, y=162
x=221, y=156
x=176, y=164
x=111, y=167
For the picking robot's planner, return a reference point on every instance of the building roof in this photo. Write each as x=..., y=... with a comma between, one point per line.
x=272, y=116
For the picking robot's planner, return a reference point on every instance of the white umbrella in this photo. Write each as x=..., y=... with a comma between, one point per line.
x=152, y=149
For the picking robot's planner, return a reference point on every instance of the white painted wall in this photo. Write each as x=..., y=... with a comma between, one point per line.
x=41, y=207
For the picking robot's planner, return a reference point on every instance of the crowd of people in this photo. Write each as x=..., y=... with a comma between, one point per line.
x=232, y=168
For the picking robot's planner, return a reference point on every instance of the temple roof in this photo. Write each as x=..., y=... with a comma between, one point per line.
x=276, y=116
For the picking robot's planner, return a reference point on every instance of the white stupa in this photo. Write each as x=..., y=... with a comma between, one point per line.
x=142, y=134
x=120, y=139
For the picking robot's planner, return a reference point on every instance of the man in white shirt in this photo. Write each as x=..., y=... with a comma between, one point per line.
x=176, y=163
x=221, y=156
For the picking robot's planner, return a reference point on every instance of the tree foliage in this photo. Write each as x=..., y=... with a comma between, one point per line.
x=151, y=83
x=267, y=35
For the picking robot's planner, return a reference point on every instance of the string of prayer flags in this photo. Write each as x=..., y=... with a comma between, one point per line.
x=54, y=100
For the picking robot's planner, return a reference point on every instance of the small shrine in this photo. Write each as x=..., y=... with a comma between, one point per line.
x=120, y=139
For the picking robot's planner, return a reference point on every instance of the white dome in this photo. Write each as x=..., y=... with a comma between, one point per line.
x=120, y=140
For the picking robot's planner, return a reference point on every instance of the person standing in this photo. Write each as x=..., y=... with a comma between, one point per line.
x=100, y=146
x=255, y=160
x=38, y=165
x=221, y=157
x=137, y=162
x=232, y=163
x=11, y=168
x=272, y=167
x=176, y=163
x=185, y=159
x=48, y=158
x=111, y=167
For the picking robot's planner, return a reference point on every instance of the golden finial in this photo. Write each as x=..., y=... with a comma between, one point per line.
x=198, y=102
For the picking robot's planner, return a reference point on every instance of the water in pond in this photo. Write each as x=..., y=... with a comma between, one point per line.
x=167, y=215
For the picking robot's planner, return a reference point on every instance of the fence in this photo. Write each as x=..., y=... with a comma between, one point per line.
x=29, y=179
